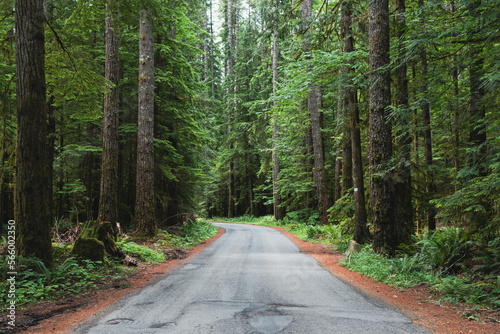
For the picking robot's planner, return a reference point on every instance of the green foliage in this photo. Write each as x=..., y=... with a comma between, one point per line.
x=309, y=216
x=437, y=256
x=187, y=235
x=146, y=254
x=343, y=209
x=459, y=290
x=408, y=271
x=66, y=277
x=475, y=204
x=445, y=250
x=489, y=259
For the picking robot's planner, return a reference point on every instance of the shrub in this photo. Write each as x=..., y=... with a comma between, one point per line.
x=444, y=250
x=489, y=258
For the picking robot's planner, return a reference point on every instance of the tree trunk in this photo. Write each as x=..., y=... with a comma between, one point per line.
x=381, y=192
x=145, y=197
x=278, y=211
x=477, y=135
x=212, y=51
x=346, y=147
x=230, y=28
x=402, y=183
x=32, y=181
x=314, y=105
x=361, y=232
x=108, y=202
x=426, y=117
x=338, y=160
x=205, y=44
x=88, y=178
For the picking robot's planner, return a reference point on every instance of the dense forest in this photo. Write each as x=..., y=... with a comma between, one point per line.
x=379, y=115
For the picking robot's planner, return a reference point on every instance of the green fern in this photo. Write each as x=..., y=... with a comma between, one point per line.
x=489, y=258
x=444, y=250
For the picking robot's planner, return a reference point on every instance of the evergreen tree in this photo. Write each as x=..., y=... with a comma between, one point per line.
x=108, y=202
x=381, y=192
x=145, y=197
x=33, y=186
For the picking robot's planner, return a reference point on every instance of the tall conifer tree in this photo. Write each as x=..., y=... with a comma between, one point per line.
x=108, y=203
x=33, y=186
x=381, y=192
x=145, y=196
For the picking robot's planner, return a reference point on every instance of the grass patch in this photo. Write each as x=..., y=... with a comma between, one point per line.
x=145, y=254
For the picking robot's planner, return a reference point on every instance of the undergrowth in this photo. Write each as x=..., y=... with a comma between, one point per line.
x=36, y=282
x=68, y=276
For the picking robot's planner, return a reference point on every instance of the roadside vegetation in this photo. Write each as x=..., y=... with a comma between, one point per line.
x=70, y=276
x=457, y=267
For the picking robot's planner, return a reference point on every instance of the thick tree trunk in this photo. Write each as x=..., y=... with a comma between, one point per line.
x=381, y=191
x=32, y=181
x=278, y=211
x=361, y=232
x=145, y=197
x=402, y=183
x=108, y=202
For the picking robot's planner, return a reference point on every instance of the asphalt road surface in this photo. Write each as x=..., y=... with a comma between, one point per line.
x=251, y=280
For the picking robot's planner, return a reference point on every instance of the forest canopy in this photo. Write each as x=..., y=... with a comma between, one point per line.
x=380, y=115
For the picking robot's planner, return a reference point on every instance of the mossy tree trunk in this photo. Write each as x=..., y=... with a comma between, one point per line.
x=380, y=131
x=108, y=202
x=33, y=185
x=145, y=196
x=277, y=210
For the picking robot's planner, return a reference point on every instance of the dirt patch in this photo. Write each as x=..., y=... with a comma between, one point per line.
x=417, y=303
x=64, y=315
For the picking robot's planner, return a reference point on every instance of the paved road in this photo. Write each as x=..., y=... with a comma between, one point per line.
x=251, y=280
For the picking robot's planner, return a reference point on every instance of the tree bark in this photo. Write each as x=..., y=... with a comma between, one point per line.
x=278, y=211
x=380, y=132
x=108, y=202
x=212, y=51
x=402, y=183
x=230, y=28
x=338, y=160
x=32, y=180
x=145, y=197
x=346, y=154
x=314, y=105
x=426, y=117
x=361, y=232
